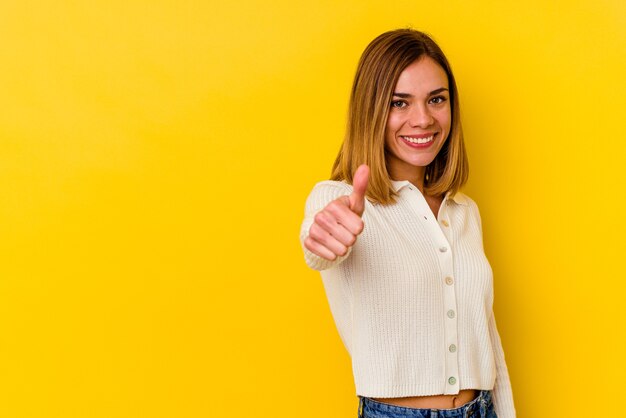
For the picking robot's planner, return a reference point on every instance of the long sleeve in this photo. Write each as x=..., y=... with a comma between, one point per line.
x=322, y=194
x=502, y=392
x=412, y=277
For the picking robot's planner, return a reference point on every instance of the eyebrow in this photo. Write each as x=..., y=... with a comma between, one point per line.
x=407, y=95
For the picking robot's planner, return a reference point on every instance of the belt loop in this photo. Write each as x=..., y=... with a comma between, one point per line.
x=483, y=404
x=360, y=407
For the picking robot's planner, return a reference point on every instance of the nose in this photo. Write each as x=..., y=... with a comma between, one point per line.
x=420, y=116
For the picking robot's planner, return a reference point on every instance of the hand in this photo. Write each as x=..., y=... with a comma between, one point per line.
x=337, y=225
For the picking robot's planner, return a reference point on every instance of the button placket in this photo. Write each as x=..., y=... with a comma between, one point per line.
x=451, y=318
x=443, y=219
x=444, y=252
x=450, y=321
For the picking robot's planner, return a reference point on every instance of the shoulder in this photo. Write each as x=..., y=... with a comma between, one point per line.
x=325, y=192
x=329, y=185
x=330, y=189
x=467, y=203
x=463, y=199
x=470, y=206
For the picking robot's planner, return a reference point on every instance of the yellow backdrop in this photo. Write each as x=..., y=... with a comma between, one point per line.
x=155, y=157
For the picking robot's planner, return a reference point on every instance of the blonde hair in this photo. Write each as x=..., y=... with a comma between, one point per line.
x=364, y=143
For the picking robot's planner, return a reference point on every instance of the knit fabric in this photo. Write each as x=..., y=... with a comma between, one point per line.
x=413, y=298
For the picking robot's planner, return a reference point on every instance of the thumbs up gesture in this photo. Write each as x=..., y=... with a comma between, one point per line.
x=337, y=225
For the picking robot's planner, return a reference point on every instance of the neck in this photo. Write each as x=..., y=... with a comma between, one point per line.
x=415, y=176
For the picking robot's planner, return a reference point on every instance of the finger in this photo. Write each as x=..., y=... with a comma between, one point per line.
x=318, y=249
x=359, y=185
x=328, y=223
x=345, y=217
x=322, y=236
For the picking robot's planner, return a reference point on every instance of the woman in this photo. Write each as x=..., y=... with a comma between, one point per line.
x=412, y=297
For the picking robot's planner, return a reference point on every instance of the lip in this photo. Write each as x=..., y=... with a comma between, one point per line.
x=412, y=145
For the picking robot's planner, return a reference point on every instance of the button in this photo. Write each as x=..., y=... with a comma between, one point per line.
x=445, y=223
x=452, y=348
x=449, y=280
x=452, y=380
x=451, y=313
x=443, y=249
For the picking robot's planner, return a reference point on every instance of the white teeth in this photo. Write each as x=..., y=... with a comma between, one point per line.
x=418, y=140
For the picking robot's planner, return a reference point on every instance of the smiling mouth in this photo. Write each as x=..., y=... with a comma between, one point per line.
x=418, y=140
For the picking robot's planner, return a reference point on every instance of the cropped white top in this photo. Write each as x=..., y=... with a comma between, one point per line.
x=413, y=298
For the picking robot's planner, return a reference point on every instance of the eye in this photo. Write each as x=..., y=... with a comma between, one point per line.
x=438, y=99
x=399, y=104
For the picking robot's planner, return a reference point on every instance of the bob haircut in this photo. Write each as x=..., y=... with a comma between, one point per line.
x=372, y=91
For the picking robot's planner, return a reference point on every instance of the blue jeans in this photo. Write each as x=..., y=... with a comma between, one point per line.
x=480, y=407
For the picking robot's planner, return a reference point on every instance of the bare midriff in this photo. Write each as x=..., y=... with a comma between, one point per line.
x=435, y=401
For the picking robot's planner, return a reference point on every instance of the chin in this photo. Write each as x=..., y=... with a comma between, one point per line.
x=420, y=162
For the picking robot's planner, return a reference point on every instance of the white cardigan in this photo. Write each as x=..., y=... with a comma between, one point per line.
x=413, y=298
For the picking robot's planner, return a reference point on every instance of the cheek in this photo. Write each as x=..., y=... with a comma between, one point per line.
x=448, y=124
x=393, y=124
x=445, y=120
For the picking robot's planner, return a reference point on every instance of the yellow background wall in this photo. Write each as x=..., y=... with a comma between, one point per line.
x=155, y=157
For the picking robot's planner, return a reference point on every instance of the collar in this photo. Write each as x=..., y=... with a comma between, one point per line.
x=457, y=198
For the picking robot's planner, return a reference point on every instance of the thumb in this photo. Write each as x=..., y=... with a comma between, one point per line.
x=359, y=185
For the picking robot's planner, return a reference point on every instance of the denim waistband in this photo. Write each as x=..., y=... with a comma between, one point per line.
x=474, y=409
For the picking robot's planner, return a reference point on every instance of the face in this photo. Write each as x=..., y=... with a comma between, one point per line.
x=419, y=119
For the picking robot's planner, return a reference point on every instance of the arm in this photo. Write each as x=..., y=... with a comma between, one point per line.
x=502, y=392
x=322, y=194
